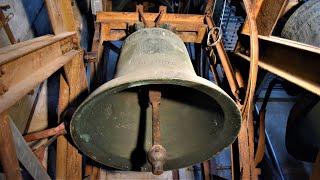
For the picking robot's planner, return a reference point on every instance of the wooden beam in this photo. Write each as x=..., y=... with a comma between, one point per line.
x=133, y=17
x=25, y=67
x=19, y=60
x=267, y=14
x=61, y=41
x=61, y=15
x=62, y=20
x=71, y=162
x=25, y=155
x=5, y=25
x=62, y=143
x=293, y=61
x=100, y=35
x=8, y=157
x=76, y=79
x=190, y=28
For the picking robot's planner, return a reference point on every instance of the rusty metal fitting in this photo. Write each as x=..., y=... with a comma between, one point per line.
x=157, y=156
x=214, y=32
x=90, y=57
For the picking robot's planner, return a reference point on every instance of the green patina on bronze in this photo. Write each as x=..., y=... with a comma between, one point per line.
x=198, y=119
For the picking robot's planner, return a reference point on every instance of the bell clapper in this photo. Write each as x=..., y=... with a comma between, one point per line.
x=157, y=154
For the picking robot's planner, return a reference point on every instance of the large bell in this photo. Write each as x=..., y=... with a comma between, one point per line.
x=155, y=82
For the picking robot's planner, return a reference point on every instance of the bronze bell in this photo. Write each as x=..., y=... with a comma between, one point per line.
x=156, y=114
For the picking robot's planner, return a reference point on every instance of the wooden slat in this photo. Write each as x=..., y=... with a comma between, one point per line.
x=61, y=15
x=62, y=20
x=106, y=17
x=26, y=156
x=17, y=90
x=28, y=59
x=62, y=143
x=293, y=61
x=190, y=28
x=24, y=43
x=5, y=25
x=200, y=34
x=8, y=157
x=76, y=79
x=15, y=51
x=267, y=14
x=114, y=35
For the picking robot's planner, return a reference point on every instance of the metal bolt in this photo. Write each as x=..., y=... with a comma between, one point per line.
x=157, y=156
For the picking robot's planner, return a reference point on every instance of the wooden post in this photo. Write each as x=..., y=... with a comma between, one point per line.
x=62, y=144
x=61, y=15
x=8, y=156
x=69, y=160
x=267, y=14
x=7, y=27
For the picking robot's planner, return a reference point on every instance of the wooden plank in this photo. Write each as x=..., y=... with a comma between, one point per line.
x=61, y=15
x=96, y=49
x=8, y=157
x=200, y=34
x=24, y=43
x=76, y=79
x=267, y=14
x=5, y=25
x=190, y=28
x=18, y=89
x=122, y=20
x=62, y=20
x=289, y=6
x=25, y=60
x=105, y=17
x=293, y=61
x=114, y=35
x=26, y=156
x=187, y=36
x=62, y=143
x=101, y=34
x=18, y=50
x=92, y=171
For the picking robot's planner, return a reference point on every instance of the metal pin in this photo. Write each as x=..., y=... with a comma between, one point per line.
x=157, y=154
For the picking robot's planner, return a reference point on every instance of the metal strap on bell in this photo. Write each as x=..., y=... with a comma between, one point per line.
x=156, y=114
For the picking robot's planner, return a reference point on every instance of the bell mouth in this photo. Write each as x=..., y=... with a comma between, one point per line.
x=113, y=126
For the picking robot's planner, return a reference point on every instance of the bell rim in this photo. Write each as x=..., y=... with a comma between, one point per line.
x=163, y=77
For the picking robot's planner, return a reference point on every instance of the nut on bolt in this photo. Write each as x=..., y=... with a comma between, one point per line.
x=157, y=156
